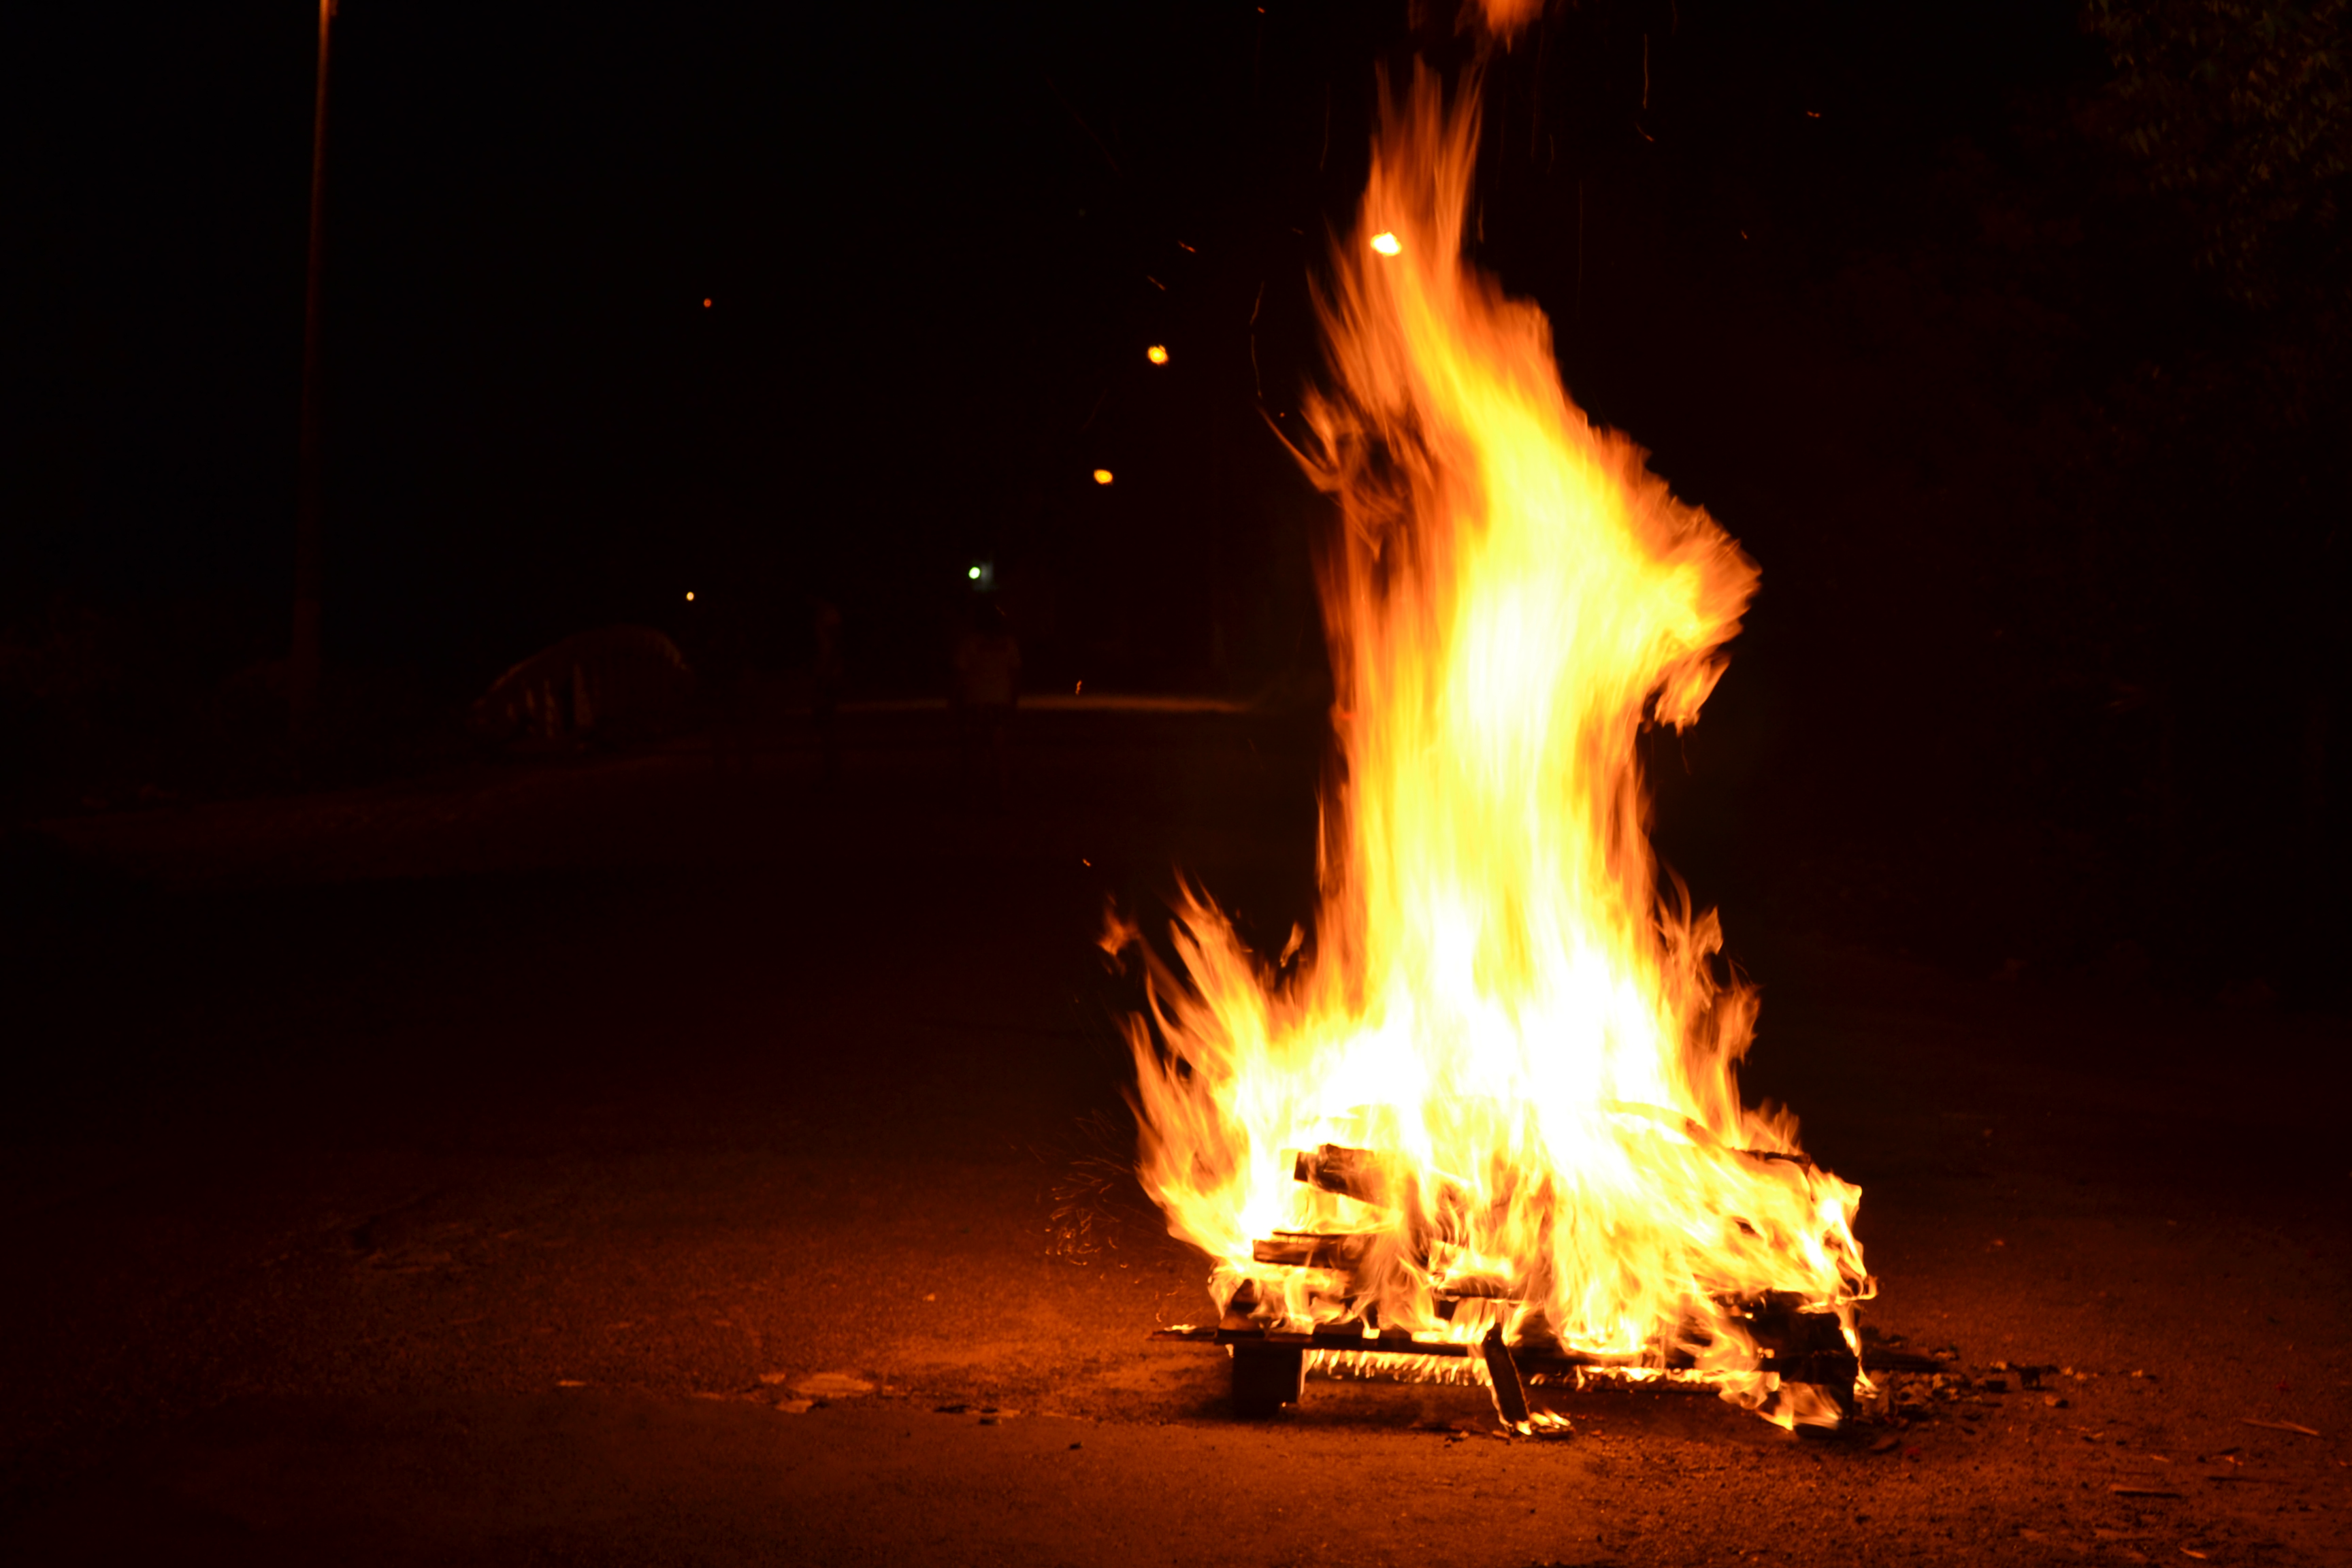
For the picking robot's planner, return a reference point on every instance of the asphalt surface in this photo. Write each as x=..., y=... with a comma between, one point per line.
x=638, y=1159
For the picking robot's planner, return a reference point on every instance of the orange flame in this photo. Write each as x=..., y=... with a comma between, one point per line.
x=1500, y=1007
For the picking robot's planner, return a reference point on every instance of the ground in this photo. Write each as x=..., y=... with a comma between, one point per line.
x=659, y=1157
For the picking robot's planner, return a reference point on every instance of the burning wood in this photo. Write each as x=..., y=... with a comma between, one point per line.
x=1503, y=1379
x=1497, y=1118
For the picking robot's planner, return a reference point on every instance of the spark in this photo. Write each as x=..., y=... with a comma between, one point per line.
x=1386, y=243
x=1156, y=354
x=1102, y=476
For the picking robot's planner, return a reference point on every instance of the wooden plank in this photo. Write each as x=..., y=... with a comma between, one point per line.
x=1503, y=1380
x=1339, y=1250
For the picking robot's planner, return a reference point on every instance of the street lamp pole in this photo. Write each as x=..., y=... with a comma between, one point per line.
x=303, y=658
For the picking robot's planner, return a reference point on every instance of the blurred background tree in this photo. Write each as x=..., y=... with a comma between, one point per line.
x=2241, y=110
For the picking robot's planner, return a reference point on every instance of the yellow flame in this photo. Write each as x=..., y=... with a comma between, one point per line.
x=1102, y=476
x=1534, y=1048
x=1156, y=354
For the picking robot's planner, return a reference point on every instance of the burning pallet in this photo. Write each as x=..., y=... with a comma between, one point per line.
x=1802, y=1342
x=1269, y=1365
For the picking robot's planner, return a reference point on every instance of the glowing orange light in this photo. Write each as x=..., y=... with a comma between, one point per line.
x=705, y=304
x=1503, y=1083
x=690, y=595
x=1156, y=354
x=1102, y=476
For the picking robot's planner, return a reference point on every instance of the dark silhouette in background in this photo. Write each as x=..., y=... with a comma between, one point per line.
x=984, y=688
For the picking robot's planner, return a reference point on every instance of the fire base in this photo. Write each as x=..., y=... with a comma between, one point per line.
x=1269, y=1365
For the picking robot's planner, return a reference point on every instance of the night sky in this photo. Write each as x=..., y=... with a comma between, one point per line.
x=2048, y=501
x=935, y=246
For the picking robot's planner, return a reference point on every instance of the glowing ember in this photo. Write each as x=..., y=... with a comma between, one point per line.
x=1102, y=476
x=1501, y=1089
x=1156, y=354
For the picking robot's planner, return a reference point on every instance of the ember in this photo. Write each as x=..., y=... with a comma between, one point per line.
x=1492, y=1120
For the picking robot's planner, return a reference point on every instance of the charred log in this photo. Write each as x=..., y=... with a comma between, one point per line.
x=1314, y=1249
x=1503, y=1380
x=1355, y=1173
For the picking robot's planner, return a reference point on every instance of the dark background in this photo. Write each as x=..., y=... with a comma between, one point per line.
x=2006, y=337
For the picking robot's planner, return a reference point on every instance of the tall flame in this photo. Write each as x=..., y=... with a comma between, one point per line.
x=1500, y=1007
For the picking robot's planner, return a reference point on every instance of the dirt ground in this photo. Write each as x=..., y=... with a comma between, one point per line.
x=646, y=1160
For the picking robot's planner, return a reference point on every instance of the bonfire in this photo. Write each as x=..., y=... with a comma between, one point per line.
x=1491, y=1112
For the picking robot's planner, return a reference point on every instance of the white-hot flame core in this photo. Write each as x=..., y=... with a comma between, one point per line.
x=1498, y=1005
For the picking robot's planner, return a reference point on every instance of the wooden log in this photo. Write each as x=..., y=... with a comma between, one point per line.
x=1503, y=1380
x=1355, y=1173
x=1381, y=1180
x=1314, y=1249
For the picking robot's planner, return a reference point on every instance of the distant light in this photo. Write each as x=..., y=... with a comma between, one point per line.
x=690, y=595
x=705, y=304
x=1386, y=243
x=1078, y=688
x=1156, y=354
x=1102, y=476
x=973, y=574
